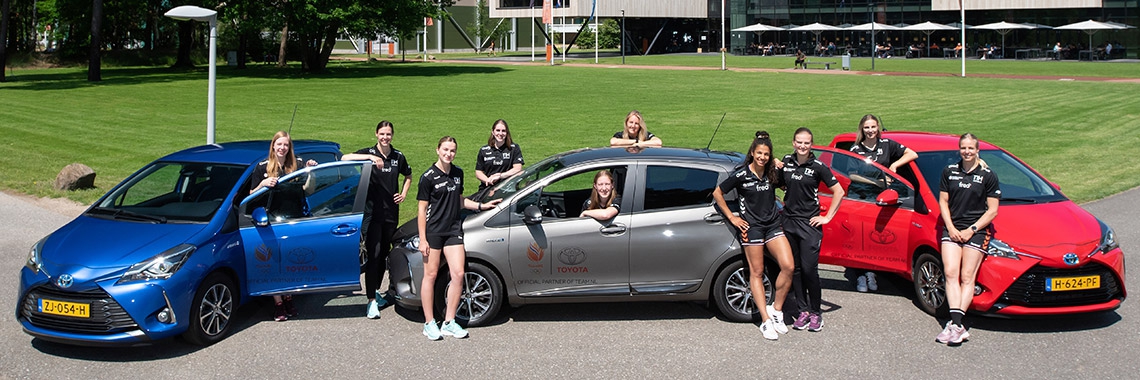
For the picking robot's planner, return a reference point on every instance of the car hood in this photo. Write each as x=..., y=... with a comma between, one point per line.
x=1048, y=230
x=102, y=243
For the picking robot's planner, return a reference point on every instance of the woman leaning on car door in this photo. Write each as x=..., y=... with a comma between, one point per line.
x=968, y=196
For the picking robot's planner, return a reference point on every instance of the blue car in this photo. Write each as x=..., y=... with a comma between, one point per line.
x=179, y=245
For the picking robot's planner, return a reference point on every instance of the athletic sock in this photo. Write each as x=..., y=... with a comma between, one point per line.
x=956, y=316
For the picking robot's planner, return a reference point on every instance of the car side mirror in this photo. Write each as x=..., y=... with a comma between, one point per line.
x=532, y=215
x=888, y=197
x=1055, y=185
x=260, y=217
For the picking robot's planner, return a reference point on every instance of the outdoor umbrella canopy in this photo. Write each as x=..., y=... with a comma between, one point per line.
x=929, y=28
x=761, y=28
x=877, y=27
x=1002, y=28
x=1036, y=26
x=1091, y=27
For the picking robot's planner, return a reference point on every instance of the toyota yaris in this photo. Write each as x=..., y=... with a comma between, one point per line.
x=176, y=247
x=1048, y=256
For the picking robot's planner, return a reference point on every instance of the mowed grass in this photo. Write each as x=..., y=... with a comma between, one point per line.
x=1073, y=132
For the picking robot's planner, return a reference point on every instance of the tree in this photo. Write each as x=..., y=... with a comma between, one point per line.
x=94, y=59
x=316, y=24
x=609, y=34
x=5, y=5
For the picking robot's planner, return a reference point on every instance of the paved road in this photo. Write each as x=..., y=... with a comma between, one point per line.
x=865, y=336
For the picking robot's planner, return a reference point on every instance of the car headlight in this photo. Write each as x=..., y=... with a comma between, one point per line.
x=159, y=267
x=412, y=243
x=999, y=248
x=1107, y=239
x=35, y=261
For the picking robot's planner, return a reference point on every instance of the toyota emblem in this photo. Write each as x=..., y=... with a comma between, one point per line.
x=1072, y=259
x=64, y=281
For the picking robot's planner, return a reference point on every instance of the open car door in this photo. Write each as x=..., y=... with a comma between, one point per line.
x=303, y=235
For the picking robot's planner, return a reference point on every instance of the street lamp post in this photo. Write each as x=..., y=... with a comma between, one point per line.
x=622, y=44
x=193, y=13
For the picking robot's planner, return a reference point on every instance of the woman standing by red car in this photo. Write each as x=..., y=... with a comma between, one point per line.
x=968, y=196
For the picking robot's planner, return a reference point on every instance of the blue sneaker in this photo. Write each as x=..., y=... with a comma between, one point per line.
x=381, y=302
x=452, y=329
x=431, y=330
x=373, y=310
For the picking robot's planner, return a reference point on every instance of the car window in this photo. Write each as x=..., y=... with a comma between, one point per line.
x=173, y=191
x=1018, y=183
x=671, y=186
x=316, y=192
x=863, y=181
x=564, y=197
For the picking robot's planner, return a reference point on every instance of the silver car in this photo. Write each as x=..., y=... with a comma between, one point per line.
x=668, y=243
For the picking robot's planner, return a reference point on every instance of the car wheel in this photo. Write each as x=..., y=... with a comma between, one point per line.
x=212, y=310
x=733, y=296
x=930, y=285
x=481, y=299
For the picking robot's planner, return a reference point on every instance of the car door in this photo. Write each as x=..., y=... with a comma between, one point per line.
x=310, y=247
x=676, y=232
x=567, y=255
x=866, y=234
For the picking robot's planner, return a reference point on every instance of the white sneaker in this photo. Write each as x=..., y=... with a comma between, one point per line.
x=872, y=285
x=778, y=320
x=769, y=330
x=861, y=284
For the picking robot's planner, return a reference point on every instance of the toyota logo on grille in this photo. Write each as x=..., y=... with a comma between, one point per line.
x=1072, y=259
x=64, y=281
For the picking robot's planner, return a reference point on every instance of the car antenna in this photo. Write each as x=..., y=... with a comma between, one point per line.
x=290, y=131
x=715, y=130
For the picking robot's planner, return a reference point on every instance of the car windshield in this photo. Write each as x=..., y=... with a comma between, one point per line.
x=520, y=181
x=170, y=192
x=1019, y=184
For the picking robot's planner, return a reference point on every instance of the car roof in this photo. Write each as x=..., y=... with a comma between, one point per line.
x=244, y=152
x=663, y=154
x=919, y=141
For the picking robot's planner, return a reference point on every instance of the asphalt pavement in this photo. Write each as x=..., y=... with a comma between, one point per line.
x=865, y=335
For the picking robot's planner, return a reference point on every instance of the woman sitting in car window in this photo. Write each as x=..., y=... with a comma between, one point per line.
x=604, y=203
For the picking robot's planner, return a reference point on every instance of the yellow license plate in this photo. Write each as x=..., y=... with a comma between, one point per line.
x=1061, y=284
x=69, y=309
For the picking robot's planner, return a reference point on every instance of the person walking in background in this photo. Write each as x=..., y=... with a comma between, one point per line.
x=968, y=197
x=869, y=142
x=634, y=135
x=500, y=159
x=440, y=197
x=382, y=210
x=760, y=225
x=803, y=225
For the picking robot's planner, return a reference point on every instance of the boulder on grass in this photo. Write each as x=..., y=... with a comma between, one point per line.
x=75, y=177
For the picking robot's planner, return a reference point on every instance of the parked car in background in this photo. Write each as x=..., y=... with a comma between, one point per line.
x=1048, y=256
x=177, y=246
x=668, y=243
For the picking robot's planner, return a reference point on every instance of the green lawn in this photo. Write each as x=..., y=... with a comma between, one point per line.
x=51, y=118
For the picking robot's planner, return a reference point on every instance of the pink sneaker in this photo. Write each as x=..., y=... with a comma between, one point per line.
x=944, y=336
x=801, y=321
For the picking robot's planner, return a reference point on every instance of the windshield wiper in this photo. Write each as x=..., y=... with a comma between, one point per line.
x=119, y=213
x=1019, y=200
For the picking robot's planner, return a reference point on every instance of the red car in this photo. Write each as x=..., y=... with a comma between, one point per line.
x=1049, y=256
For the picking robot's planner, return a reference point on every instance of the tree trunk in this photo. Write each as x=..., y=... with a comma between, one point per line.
x=281, y=50
x=241, y=50
x=4, y=6
x=94, y=71
x=327, y=47
x=185, y=42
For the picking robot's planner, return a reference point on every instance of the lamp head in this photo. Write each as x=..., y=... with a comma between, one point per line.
x=190, y=12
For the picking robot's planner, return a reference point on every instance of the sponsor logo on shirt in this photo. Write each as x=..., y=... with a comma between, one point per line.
x=977, y=179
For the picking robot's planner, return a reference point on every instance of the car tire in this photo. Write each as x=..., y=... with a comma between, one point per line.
x=482, y=297
x=732, y=295
x=930, y=285
x=212, y=310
